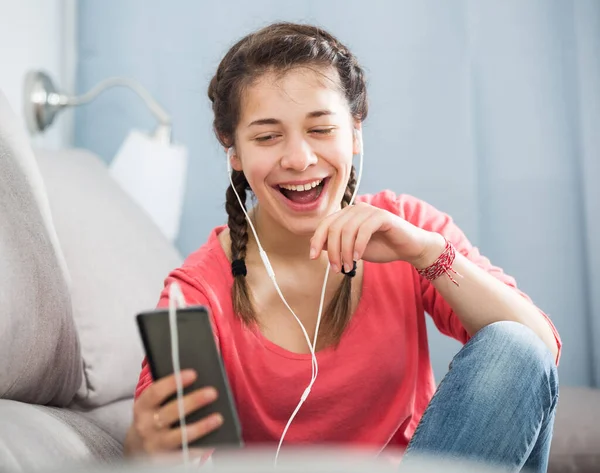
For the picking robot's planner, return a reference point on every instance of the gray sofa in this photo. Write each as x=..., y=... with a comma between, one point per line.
x=78, y=261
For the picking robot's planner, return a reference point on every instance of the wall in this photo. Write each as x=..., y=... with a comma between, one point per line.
x=37, y=34
x=481, y=108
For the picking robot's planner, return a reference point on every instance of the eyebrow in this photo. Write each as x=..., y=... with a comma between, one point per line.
x=275, y=121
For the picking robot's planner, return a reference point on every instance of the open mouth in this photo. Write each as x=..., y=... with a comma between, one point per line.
x=303, y=193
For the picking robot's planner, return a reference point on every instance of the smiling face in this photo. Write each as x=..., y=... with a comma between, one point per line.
x=294, y=143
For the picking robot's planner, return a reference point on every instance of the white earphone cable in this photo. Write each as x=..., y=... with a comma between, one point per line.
x=176, y=300
x=271, y=273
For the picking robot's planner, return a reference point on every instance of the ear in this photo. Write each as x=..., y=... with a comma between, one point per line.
x=356, y=137
x=234, y=161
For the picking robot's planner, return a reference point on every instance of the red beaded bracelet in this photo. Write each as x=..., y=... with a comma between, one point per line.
x=443, y=265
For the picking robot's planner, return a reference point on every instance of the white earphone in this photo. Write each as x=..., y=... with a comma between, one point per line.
x=176, y=300
x=265, y=259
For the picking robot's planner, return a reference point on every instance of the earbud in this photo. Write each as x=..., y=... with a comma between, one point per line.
x=230, y=152
x=358, y=136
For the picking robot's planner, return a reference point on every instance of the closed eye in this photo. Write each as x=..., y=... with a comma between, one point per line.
x=265, y=138
x=323, y=131
x=272, y=137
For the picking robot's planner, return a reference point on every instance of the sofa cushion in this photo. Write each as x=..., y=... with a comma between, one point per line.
x=115, y=418
x=39, y=349
x=118, y=260
x=39, y=438
x=576, y=440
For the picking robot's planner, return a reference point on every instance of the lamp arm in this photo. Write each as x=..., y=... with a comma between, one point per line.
x=159, y=113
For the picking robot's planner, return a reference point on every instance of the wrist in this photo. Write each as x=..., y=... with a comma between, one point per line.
x=434, y=246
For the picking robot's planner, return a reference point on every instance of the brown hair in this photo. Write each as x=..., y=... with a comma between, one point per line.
x=279, y=48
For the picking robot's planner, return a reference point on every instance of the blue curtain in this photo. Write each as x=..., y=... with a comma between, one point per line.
x=486, y=109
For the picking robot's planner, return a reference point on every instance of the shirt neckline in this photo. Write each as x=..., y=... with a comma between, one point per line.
x=357, y=316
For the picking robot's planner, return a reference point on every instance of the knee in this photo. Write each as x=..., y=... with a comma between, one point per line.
x=509, y=355
x=517, y=342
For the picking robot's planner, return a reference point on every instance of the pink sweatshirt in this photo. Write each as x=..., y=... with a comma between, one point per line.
x=373, y=389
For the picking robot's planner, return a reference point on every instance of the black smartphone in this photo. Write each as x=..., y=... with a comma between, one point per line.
x=197, y=351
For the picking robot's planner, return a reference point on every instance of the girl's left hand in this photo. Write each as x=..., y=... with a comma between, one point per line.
x=363, y=231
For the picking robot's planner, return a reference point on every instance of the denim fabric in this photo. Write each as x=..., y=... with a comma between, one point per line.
x=496, y=405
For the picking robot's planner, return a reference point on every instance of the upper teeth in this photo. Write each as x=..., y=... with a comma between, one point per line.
x=301, y=187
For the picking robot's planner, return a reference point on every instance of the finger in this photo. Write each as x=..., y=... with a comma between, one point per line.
x=169, y=413
x=349, y=235
x=334, y=239
x=365, y=232
x=319, y=239
x=348, y=254
x=172, y=438
x=159, y=391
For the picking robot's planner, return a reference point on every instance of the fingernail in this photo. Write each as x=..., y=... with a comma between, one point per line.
x=188, y=375
x=216, y=420
x=313, y=253
x=347, y=267
x=355, y=256
x=210, y=394
x=335, y=268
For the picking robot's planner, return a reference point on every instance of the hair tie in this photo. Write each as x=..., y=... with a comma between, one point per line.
x=238, y=268
x=352, y=272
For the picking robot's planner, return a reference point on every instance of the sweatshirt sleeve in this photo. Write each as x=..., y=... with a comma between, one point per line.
x=424, y=215
x=429, y=218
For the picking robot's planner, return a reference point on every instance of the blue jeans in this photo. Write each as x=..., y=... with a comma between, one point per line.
x=495, y=406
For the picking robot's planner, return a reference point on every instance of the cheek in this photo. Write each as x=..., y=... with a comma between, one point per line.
x=344, y=160
x=344, y=168
x=344, y=154
x=256, y=173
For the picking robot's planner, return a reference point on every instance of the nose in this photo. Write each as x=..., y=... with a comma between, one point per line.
x=298, y=155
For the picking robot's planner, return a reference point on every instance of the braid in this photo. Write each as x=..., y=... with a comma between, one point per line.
x=349, y=188
x=238, y=232
x=238, y=226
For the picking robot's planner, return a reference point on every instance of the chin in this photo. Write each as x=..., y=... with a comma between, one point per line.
x=303, y=229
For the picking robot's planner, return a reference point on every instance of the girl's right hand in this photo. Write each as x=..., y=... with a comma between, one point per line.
x=152, y=429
